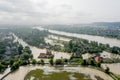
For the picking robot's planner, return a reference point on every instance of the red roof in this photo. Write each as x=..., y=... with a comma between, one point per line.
x=98, y=59
x=42, y=55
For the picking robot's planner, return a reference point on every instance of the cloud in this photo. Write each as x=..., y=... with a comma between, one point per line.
x=58, y=11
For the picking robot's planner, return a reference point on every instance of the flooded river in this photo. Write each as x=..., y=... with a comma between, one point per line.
x=104, y=40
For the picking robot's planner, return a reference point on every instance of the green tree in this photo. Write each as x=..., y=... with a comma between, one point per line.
x=27, y=50
x=25, y=56
x=2, y=67
x=58, y=62
x=42, y=62
x=24, y=62
x=107, y=70
x=20, y=48
x=11, y=62
x=34, y=61
x=51, y=62
x=15, y=65
x=98, y=64
x=83, y=62
x=92, y=62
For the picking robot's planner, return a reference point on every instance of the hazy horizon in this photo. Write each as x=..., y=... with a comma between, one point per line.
x=35, y=12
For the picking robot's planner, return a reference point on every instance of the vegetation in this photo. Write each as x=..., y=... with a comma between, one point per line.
x=42, y=62
x=33, y=37
x=63, y=75
x=15, y=65
x=51, y=62
x=107, y=70
x=99, y=29
x=12, y=53
x=82, y=46
x=58, y=62
x=34, y=61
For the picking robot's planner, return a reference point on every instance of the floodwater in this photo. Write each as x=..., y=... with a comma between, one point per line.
x=99, y=39
x=114, y=67
x=24, y=70
x=59, y=38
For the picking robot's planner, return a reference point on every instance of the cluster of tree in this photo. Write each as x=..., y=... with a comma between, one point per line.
x=115, y=50
x=82, y=46
x=58, y=61
x=33, y=37
x=83, y=62
x=24, y=58
x=9, y=50
x=2, y=67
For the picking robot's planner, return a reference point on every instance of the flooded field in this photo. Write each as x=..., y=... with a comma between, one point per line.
x=114, y=67
x=50, y=73
x=63, y=75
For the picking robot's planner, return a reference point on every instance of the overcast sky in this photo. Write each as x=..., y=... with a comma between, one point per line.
x=58, y=11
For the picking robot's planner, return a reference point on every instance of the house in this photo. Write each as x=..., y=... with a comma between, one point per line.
x=76, y=55
x=42, y=55
x=48, y=54
x=105, y=55
x=98, y=59
x=86, y=56
x=95, y=55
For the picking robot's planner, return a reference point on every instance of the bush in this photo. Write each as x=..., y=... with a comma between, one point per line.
x=98, y=64
x=83, y=62
x=42, y=62
x=58, y=62
x=2, y=67
x=15, y=65
x=51, y=62
x=39, y=62
x=107, y=70
x=24, y=62
x=65, y=60
x=34, y=61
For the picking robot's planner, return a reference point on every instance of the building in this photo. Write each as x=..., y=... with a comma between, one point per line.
x=46, y=55
x=42, y=55
x=98, y=59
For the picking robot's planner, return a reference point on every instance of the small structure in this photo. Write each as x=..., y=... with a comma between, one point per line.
x=98, y=59
x=95, y=55
x=86, y=56
x=48, y=54
x=42, y=55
